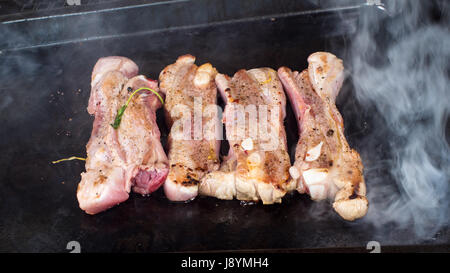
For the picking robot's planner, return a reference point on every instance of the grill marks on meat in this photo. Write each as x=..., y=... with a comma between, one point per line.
x=253, y=170
x=129, y=157
x=193, y=144
x=325, y=166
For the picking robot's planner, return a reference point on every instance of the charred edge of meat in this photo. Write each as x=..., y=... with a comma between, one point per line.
x=101, y=179
x=190, y=181
x=355, y=192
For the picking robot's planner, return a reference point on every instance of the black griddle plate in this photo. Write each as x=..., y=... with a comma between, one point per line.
x=45, y=86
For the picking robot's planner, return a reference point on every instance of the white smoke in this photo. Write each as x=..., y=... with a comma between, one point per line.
x=400, y=66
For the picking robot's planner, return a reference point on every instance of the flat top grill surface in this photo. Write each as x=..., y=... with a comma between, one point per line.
x=45, y=90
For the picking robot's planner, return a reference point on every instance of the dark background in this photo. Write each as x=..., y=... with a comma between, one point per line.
x=47, y=52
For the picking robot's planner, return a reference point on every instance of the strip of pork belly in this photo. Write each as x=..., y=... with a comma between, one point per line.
x=256, y=167
x=112, y=166
x=325, y=166
x=194, y=139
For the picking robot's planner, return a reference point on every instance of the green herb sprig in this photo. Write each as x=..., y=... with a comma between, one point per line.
x=121, y=110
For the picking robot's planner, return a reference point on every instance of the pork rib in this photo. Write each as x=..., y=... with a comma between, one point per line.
x=256, y=167
x=132, y=155
x=325, y=166
x=193, y=145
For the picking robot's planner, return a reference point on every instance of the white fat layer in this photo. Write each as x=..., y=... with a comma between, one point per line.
x=294, y=173
x=314, y=152
x=317, y=192
x=254, y=158
x=202, y=79
x=100, y=155
x=97, y=78
x=313, y=176
x=221, y=186
x=247, y=144
x=189, y=189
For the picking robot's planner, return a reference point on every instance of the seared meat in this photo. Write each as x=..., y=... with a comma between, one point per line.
x=256, y=167
x=194, y=140
x=130, y=156
x=104, y=65
x=325, y=166
x=139, y=138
